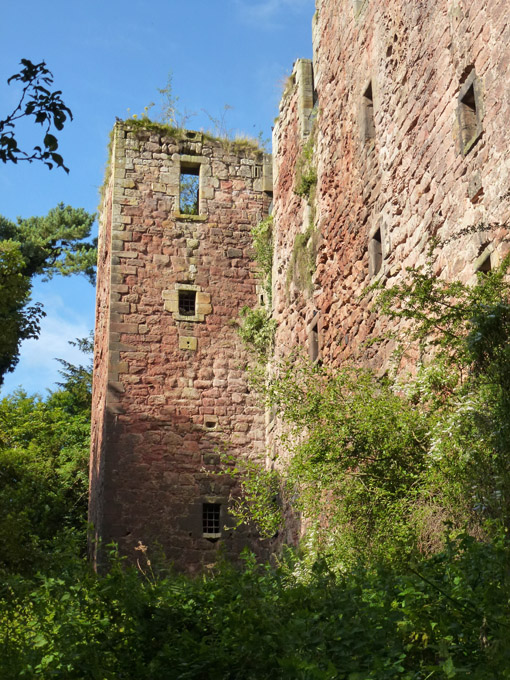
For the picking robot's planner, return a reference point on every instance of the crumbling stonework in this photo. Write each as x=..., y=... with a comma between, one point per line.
x=410, y=143
x=395, y=134
x=169, y=382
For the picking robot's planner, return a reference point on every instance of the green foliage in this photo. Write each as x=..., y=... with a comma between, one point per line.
x=262, y=236
x=257, y=329
x=468, y=324
x=44, y=449
x=170, y=115
x=47, y=109
x=447, y=618
x=358, y=464
x=55, y=244
x=18, y=320
x=306, y=173
x=388, y=470
x=302, y=261
x=257, y=500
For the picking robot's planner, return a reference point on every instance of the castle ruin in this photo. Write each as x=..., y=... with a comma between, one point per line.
x=394, y=134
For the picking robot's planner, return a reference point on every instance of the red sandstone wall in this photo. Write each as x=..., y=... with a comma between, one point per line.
x=100, y=374
x=169, y=408
x=411, y=180
x=292, y=303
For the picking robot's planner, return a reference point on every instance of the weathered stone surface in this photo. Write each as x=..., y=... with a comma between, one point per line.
x=389, y=158
x=409, y=179
x=395, y=166
x=150, y=436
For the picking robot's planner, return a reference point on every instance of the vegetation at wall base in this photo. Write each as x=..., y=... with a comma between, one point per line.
x=404, y=572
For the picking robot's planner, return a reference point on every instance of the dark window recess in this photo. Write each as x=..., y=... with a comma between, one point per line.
x=313, y=347
x=486, y=265
x=368, y=114
x=468, y=117
x=256, y=171
x=375, y=253
x=187, y=299
x=189, y=190
x=211, y=518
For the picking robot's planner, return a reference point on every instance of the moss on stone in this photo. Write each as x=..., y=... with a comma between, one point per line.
x=306, y=173
x=238, y=144
x=302, y=261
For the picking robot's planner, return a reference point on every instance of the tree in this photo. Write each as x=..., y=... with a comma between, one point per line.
x=45, y=106
x=44, y=451
x=56, y=243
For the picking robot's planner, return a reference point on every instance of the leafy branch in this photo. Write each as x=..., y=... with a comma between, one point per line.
x=47, y=109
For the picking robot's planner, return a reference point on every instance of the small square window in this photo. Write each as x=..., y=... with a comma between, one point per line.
x=189, y=190
x=211, y=526
x=187, y=302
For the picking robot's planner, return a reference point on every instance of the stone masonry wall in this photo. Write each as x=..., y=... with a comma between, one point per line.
x=395, y=134
x=410, y=142
x=170, y=388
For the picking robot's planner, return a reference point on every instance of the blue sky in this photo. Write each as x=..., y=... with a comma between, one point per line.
x=109, y=58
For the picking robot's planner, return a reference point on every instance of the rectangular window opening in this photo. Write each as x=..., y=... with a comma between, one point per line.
x=368, y=114
x=375, y=253
x=211, y=526
x=189, y=190
x=187, y=302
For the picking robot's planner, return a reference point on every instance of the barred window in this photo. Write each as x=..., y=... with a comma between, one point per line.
x=187, y=300
x=211, y=520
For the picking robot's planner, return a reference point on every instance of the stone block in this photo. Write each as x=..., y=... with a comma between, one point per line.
x=124, y=327
x=120, y=307
x=187, y=342
x=203, y=298
x=158, y=186
x=203, y=309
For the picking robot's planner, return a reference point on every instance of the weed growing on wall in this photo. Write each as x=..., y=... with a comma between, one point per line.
x=306, y=173
x=256, y=503
x=302, y=261
x=262, y=236
x=257, y=329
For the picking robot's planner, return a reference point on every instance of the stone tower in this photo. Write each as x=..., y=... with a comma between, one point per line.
x=175, y=267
